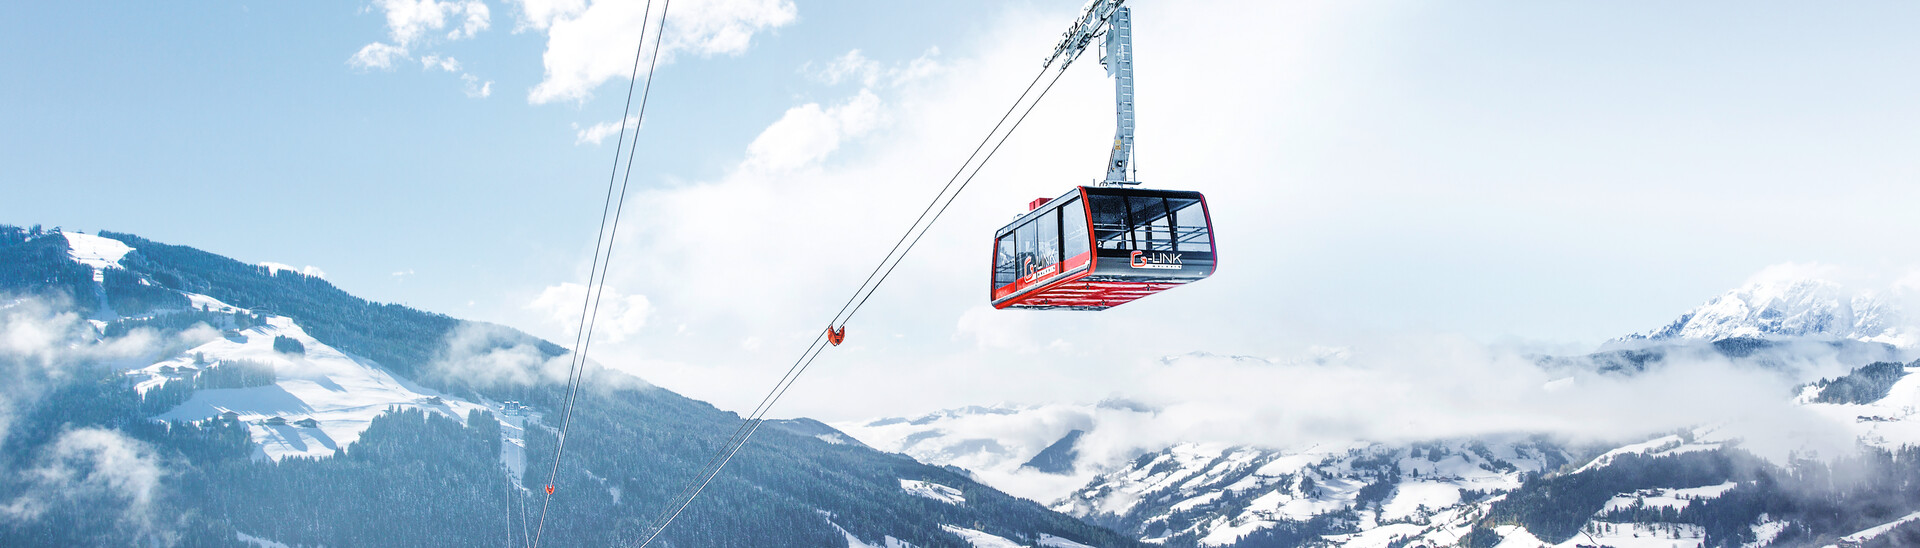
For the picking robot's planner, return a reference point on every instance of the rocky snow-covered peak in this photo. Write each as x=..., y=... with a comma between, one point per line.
x=1792, y=301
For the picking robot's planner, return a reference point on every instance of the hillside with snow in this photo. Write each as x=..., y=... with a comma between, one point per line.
x=261, y=405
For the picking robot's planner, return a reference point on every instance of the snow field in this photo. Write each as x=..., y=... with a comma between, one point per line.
x=1657, y=447
x=1667, y=498
x=95, y=252
x=1890, y=423
x=342, y=393
x=933, y=491
x=982, y=539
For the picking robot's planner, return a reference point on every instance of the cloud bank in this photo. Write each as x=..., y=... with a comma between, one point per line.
x=591, y=42
x=417, y=24
x=100, y=470
x=487, y=355
x=43, y=345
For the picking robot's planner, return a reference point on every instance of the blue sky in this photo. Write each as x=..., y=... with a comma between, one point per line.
x=1548, y=175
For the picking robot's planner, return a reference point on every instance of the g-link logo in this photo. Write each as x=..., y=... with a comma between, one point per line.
x=1041, y=273
x=1170, y=261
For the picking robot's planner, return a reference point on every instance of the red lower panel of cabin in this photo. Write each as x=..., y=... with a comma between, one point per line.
x=1076, y=294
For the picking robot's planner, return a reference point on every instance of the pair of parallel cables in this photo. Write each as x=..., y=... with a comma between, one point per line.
x=905, y=244
x=603, y=246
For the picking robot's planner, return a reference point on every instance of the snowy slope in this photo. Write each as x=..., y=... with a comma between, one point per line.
x=342, y=393
x=933, y=491
x=306, y=369
x=95, y=252
x=1891, y=422
x=99, y=254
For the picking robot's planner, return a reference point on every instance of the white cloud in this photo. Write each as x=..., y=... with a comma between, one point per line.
x=410, y=20
x=409, y=23
x=540, y=14
x=850, y=66
x=377, y=55
x=589, y=44
x=1429, y=388
x=477, y=20
x=490, y=355
x=475, y=89
x=447, y=64
x=619, y=316
x=855, y=66
x=808, y=133
x=41, y=346
x=601, y=131
x=100, y=468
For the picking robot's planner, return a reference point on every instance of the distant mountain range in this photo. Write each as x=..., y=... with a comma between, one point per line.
x=1698, y=487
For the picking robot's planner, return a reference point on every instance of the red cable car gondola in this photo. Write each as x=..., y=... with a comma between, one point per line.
x=1099, y=247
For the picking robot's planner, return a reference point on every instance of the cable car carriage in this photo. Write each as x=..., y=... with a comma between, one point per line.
x=1097, y=247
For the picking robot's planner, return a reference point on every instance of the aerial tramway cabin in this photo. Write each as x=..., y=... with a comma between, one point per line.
x=1097, y=247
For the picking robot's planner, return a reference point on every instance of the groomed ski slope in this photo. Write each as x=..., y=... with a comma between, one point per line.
x=340, y=392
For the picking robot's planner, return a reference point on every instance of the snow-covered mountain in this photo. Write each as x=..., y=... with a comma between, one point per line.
x=183, y=398
x=1217, y=495
x=1513, y=490
x=320, y=399
x=1791, y=301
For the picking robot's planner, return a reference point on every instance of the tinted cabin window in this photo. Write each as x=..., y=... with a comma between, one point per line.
x=1005, y=261
x=1049, y=233
x=1109, y=221
x=1152, y=230
x=1028, y=237
x=1073, y=229
x=1190, y=224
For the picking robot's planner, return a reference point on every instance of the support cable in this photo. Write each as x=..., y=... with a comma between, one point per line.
x=916, y=231
x=603, y=246
x=759, y=410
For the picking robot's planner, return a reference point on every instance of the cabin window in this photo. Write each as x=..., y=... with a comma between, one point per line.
x=1028, y=238
x=1073, y=229
x=1049, y=243
x=1109, y=221
x=1152, y=230
x=1005, y=261
x=1190, y=225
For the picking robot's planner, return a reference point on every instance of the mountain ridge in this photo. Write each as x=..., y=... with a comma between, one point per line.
x=1783, y=301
